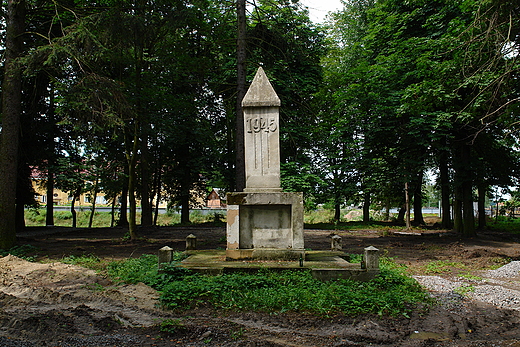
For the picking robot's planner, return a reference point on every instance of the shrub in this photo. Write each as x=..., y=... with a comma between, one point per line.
x=391, y=293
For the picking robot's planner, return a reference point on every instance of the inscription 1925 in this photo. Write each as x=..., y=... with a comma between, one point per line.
x=258, y=124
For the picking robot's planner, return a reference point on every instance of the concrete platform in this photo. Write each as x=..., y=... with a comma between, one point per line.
x=324, y=265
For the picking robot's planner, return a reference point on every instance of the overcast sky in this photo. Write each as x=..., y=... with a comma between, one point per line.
x=318, y=9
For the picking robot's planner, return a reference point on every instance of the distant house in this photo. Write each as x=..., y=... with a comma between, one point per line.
x=214, y=200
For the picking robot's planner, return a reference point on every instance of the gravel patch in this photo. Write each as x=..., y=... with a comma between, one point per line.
x=497, y=295
x=451, y=293
x=509, y=270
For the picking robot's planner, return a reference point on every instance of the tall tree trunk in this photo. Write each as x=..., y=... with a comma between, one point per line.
x=482, y=190
x=418, y=218
x=146, y=207
x=445, y=190
x=407, y=205
x=123, y=208
x=366, y=206
x=401, y=213
x=20, y=217
x=468, y=214
x=49, y=216
x=158, y=184
x=457, y=209
x=112, y=212
x=93, y=207
x=185, y=185
x=337, y=212
x=75, y=196
x=241, y=92
x=11, y=113
x=131, y=156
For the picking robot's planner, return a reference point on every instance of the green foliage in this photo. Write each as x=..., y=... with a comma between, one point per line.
x=145, y=269
x=442, y=266
x=171, y=325
x=134, y=270
x=90, y=261
x=20, y=252
x=392, y=293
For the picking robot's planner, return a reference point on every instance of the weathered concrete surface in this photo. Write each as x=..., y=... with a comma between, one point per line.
x=324, y=265
x=261, y=135
x=263, y=222
x=270, y=224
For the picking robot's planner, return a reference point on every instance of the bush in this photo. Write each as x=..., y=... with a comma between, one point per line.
x=391, y=293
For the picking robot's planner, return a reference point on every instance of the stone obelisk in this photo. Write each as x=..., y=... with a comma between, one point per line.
x=263, y=222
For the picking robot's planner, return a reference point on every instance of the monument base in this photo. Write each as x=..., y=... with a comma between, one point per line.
x=264, y=225
x=265, y=254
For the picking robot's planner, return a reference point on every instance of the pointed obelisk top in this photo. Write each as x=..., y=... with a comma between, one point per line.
x=261, y=92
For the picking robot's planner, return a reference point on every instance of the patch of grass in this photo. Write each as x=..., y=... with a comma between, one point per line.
x=499, y=262
x=505, y=224
x=471, y=277
x=22, y=251
x=441, y=267
x=392, y=293
x=145, y=269
x=465, y=289
x=171, y=326
x=89, y=261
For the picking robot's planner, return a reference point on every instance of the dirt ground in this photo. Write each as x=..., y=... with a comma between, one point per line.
x=49, y=303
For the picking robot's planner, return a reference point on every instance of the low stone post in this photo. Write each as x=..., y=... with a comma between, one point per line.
x=191, y=242
x=335, y=243
x=165, y=256
x=371, y=259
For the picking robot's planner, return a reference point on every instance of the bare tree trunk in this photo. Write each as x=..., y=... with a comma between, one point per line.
x=112, y=212
x=337, y=212
x=123, y=216
x=407, y=205
x=241, y=91
x=158, y=194
x=457, y=210
x=131, y=155
x=482, y=190
x=366, y=206
x=146, y=207
x=49, y=216
x=93, y=208
x=445, y=190
x=468, y=214
x=417, y=201
x=75, y=196
x=11, y=113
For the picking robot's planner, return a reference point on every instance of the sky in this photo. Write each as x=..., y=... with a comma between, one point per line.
x=318, y=9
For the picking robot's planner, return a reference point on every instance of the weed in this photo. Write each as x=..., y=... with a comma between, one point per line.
x=90, y=261
x=237, y=334
x=171, y=326
x=465, y=289
x=442, y=266
x=471, y=277
x=20, y=252
x=95, y=287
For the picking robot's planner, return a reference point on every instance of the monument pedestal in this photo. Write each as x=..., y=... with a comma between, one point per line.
x=263, y=222
x=265, y=225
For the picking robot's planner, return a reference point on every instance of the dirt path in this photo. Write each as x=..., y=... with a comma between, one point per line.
x=55, y=304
